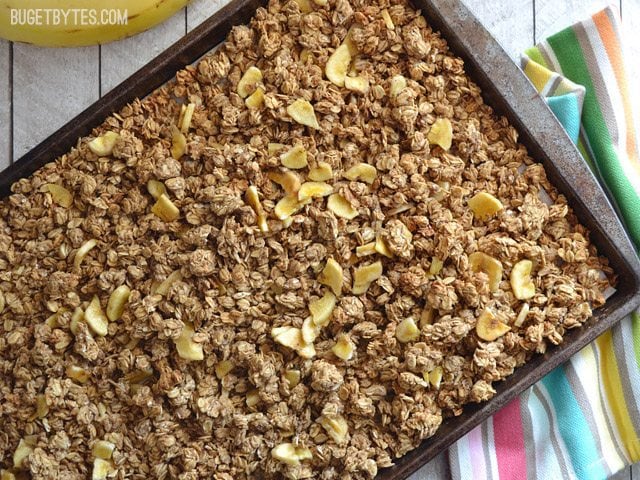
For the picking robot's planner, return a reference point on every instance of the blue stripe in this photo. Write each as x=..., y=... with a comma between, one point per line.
x=573, y=427
x=567, y=109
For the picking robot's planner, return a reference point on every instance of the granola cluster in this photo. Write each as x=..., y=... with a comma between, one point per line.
x=295, y=261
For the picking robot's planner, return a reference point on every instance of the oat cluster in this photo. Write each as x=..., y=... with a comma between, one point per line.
x=295, y=261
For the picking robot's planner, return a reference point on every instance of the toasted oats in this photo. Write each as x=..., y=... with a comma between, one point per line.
x=209, y=366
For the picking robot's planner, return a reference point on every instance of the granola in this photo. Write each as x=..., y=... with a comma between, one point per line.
x=263, y=322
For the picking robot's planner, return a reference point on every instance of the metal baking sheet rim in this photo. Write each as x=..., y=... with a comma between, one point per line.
x=508, y=91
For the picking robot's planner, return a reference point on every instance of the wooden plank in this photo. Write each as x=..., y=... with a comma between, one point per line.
x=511, y=26
x=630, y=27
x=436, y=469
x=5, y=104
x=50, y=86
x=199, y=10
x=122, y=58
x=552, y=15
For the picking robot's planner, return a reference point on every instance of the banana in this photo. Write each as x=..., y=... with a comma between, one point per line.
x=76, y=23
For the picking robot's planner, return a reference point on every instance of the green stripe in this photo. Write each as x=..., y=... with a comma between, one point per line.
x=534, y=54
x=635, y=329
x=587, y=156
x=570, y=56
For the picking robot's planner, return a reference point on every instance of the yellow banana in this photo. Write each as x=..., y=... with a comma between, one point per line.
x=75, y=23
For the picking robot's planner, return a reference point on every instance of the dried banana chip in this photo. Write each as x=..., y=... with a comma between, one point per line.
x=398, y=83
x=165, y=286
x=357, y=84
x=289, y=181
x=249, y=82
x=362, y=171
x=288, y=336
x=156, y=189
x=382, y=248
x=366, y=249
x=321, y=173
x=102, y=469
x=522, y=315
x=21, y=453
x=82, y=252
x=306, y=350
x=295, y=158
x=441, y=133
x=103, y=449
x=336, y=426
x=310, y=190
x=95, y=318
x=165, y=209
x=310, y=330
x=178, y=143
x=60, y=195
x=185, y=121
x=436, y=266
x=254, y=201
x=343, y=348
x=186, y=347
x=484, y=205
x=338, y=65
x=77, y=373
x=322, y=309
x=364, y=276
x=521, y=282
x=331, y=276
x=407, y=331
x=341, y=207
x=304, y=6
x=117, y=301
x=289, y=205
x=223, y=368
x=252, y=398
x=435, y=377
x=489, y=328
x=103, y=145
x=292, y=377
x=256, y=99
x=290, y=454
x=481, y=262
x=387, y=19
x=303, y=113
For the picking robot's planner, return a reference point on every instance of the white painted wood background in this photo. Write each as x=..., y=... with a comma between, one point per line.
x=41, y=89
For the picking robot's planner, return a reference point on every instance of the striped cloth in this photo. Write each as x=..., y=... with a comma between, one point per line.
x=583, y=419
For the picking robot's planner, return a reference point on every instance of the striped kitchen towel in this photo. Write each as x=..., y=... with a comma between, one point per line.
x=583, y=419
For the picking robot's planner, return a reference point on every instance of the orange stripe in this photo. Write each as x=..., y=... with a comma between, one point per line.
x=614, y=52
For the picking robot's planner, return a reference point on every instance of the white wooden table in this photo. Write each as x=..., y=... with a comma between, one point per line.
x=41, y=89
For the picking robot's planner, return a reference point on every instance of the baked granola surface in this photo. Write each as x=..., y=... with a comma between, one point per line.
x=320, y=336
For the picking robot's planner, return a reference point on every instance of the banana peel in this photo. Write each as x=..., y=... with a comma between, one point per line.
x=79, y=23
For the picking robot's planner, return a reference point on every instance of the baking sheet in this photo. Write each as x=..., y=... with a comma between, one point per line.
x=507, y=90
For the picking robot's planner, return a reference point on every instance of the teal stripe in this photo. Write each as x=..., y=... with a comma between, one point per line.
x=574, y=428
x=567, y=109
x=568, y=51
